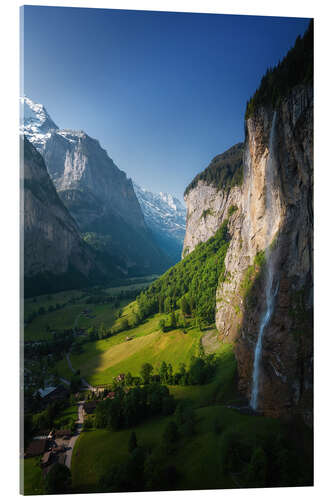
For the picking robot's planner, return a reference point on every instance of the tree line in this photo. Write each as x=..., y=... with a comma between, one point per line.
x=191, y=284
x=295, y=69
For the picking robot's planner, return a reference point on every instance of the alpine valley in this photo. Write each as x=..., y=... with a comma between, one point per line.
x=141, y=232
x=185, y=345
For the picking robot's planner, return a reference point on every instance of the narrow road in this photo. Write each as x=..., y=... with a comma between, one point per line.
x=72, y=441
x=69, y=362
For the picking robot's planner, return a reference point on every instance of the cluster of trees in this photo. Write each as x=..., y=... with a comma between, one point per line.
x=46, y=418
x=200, y=371
x=51, y=308
x=102, y=297
x=58, y=480
x=101, y=332
x=224, y=171
x=267, y=460
x=43, y=310
x=296, y=68
x=128, y=408
x=191, y=284
x=146, y=469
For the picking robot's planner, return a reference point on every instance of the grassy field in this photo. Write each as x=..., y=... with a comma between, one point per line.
x=222, y=387
x=34, y=303
x=96, y=450
x=57, y=320
x=196, y=458
x=32, y=476
x=136, y=284
x=104, y=359
x=65, y=317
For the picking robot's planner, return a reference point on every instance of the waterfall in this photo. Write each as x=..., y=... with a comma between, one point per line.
x=270, y=290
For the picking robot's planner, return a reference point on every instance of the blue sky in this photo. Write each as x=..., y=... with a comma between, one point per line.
x=162, y=92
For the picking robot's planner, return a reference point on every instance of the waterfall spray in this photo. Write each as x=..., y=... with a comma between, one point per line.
x=270, y=290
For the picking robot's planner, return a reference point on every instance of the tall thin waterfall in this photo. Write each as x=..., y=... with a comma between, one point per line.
x=270, y=289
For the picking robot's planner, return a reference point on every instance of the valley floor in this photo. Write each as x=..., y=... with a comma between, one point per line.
x=198, y=458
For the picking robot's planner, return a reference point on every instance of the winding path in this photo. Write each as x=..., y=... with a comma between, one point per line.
x=72, y=441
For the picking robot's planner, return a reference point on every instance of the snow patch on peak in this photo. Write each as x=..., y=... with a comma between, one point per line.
x=166, y=218
x=162, y=209
x=36, y=123
x=35, y=114
x=172, y=201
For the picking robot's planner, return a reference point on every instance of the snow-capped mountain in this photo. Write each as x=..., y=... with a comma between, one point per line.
x=166, y=217
x=36, y=123
x=98, y=195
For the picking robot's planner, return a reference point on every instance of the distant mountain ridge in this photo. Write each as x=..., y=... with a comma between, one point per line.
x=96, y=192
x=166, y=217
x=55, y=256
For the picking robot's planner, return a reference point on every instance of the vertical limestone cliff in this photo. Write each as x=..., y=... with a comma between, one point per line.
x=210, y=196
x=97, y=194
x=55, y=256
x=274, y=210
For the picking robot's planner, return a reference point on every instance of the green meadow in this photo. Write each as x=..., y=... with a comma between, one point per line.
x=73, y=303
x=197, y=458
x=102, y=360
x=32, y=476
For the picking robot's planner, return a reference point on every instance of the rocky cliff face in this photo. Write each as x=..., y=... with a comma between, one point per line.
x=96, y=192
x=274, y=209
x=55, y=256
x=207, y=207
x=210, y=196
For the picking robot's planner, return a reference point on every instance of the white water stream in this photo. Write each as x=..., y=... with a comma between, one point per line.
x=270, y=290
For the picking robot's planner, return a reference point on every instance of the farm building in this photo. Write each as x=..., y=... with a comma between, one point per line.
x=53, y=393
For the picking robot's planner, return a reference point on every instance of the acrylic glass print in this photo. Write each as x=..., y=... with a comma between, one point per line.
x=167, y=236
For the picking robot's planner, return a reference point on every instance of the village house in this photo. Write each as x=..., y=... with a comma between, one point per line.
x=52, y=393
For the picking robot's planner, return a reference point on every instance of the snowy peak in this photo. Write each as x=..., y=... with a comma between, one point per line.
x=162, y=204
x=173, y=202
x=166, y=218
x=36, y=123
